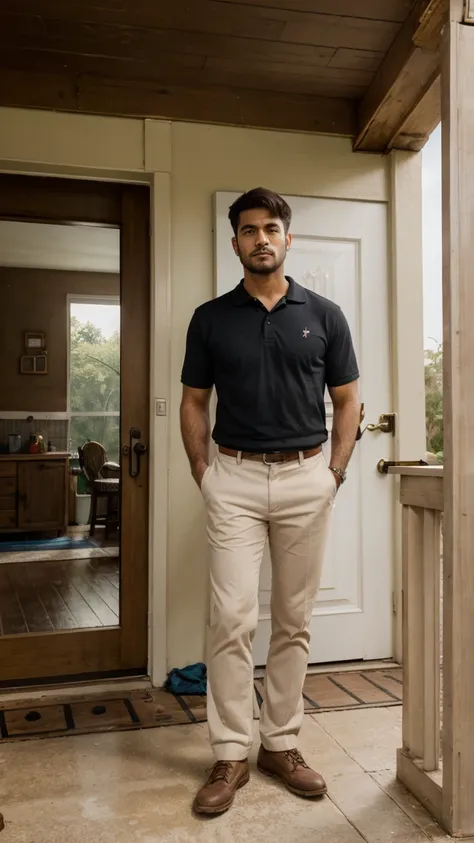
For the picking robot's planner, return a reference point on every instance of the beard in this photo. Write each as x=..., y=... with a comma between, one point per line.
x=262, y=266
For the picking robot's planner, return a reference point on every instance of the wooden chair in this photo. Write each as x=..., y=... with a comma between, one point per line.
x=103, y=479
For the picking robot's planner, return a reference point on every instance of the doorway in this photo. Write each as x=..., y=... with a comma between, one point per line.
x=74, y=428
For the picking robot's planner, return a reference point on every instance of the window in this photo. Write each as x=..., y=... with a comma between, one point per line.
x=94, y=373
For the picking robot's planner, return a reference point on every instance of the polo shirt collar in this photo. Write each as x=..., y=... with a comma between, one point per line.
x=295, y=293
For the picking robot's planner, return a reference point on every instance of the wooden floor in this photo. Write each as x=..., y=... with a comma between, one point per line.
x=49, y=596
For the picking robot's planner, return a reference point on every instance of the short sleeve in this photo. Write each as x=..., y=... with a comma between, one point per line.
x=341, y=362
x=197, y=368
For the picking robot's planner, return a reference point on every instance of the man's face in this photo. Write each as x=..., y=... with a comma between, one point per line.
x=261, y=242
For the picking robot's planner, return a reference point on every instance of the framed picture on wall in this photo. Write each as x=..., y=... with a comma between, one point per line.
x=34, y=341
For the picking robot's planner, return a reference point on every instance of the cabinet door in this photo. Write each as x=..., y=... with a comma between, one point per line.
x=42, y=495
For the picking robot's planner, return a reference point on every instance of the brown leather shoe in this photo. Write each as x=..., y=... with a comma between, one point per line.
x=293, y=771
x=218, y=794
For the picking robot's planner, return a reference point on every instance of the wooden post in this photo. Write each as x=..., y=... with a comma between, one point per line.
x=458, y=305
x=431, y=638
x=413, y=659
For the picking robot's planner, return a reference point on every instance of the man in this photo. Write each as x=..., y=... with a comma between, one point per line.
x=269, y=347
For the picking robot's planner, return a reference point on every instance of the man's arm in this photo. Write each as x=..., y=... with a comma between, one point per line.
x=345, y=423
x=195, y=429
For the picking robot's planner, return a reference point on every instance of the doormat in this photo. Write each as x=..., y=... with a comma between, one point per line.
x=110, y=712
x=62, y=543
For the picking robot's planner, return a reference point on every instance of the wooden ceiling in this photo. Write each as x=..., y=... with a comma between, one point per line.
x=291, y=64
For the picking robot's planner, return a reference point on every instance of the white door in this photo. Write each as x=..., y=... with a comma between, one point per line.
x=340, y=251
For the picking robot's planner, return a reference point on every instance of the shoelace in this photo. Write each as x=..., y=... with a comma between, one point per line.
x=220, y=772
x=294, y=755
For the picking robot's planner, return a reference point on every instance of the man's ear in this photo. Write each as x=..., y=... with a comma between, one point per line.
x=288, y=242
x=235, y=245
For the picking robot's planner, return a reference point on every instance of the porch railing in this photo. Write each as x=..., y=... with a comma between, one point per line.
x=418, y=761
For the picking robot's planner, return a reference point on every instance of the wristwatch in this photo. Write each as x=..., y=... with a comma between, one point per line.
x=340, y=473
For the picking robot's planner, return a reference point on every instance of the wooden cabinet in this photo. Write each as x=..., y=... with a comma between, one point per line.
x=8, y=499
x=33, y=493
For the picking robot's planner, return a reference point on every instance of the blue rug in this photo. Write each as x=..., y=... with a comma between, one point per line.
x=62, y=543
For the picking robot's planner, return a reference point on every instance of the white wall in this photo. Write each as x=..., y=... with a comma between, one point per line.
x=187, y=164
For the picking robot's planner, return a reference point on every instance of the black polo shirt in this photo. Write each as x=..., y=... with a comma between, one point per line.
x=270, y=369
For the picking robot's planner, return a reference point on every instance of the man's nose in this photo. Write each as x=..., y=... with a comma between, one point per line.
x=262, y=238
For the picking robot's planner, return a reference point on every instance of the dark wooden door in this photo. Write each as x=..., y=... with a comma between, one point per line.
x=42, y=495
x=119, y=647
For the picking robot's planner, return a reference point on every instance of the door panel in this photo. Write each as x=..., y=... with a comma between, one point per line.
x=111, y=602
x=339, y=250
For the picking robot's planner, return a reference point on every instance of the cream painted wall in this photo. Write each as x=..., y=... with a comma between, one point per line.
x=185, y=164
x=207, y=159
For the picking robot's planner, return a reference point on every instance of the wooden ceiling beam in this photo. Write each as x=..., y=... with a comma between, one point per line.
x=423, y=120
x=401, y=102
x=147, y=98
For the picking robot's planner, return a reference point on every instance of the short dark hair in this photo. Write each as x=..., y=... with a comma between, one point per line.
x=260, y=197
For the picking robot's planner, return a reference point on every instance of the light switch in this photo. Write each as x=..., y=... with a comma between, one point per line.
x=160, y=407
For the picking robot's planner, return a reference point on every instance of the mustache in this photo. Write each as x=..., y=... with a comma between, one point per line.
x=261, y=252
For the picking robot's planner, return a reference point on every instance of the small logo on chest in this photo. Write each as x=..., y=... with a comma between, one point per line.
x=306, y=333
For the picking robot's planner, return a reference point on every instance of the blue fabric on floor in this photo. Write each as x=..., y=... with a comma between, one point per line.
x=62, y=543
x=187, y=680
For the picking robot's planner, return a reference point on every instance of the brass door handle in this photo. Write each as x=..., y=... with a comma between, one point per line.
x=385, y=424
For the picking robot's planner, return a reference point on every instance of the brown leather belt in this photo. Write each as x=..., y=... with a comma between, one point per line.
x=270, y=459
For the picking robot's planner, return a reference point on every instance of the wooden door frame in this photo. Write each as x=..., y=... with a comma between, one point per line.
x=155, y=172
x=124, y=647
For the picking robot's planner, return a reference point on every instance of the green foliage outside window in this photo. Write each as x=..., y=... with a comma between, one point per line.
x=94, y=387
x=434, y=401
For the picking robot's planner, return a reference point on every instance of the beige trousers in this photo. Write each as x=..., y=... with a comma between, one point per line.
x=248, y=502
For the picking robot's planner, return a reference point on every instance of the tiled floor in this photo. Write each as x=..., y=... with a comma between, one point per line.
x=138, y=787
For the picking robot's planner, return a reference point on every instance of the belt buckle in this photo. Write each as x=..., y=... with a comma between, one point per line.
x=273, y=462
